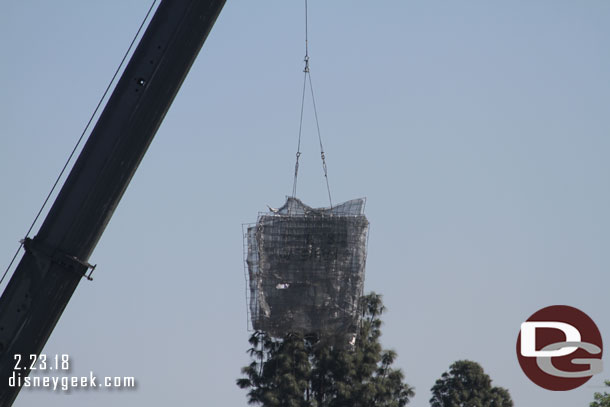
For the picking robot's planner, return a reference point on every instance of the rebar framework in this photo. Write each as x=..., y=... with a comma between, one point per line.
x=305, y=268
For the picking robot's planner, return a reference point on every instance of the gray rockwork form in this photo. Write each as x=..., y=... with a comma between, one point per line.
x=306, y=268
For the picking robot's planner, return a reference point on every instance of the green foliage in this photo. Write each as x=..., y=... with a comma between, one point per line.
x=601, y=400
x=466, y=384
x=309, y=371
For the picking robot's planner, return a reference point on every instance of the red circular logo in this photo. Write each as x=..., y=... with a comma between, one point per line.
x=559, y=348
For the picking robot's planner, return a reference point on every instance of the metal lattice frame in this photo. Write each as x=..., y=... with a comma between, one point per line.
x=305, y=268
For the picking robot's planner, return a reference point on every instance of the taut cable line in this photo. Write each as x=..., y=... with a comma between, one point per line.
x=307, y=78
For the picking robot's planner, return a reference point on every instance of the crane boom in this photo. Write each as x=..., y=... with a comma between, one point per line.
x=56, y=259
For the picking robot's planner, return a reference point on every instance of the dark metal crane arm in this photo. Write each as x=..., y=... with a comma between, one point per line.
x=56, y=259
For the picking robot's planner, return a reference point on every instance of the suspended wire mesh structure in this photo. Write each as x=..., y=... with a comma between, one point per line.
x=305, y=268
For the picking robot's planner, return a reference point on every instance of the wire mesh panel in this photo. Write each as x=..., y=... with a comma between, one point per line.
x=306, y=268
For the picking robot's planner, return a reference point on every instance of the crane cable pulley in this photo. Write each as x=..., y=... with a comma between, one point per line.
x=306, y=79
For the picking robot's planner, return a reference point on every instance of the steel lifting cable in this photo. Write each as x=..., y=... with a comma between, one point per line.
x=80, y=139
x=306, y=78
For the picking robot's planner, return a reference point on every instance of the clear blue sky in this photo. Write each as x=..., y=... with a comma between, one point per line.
x=478, y=131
